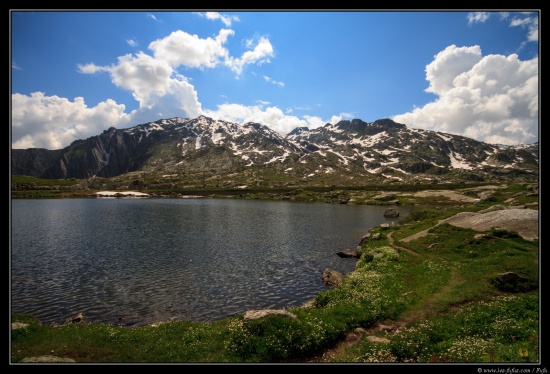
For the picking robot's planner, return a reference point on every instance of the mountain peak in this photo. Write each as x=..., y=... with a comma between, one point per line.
x=298, y=130
x=361, y=127
x=349, y=152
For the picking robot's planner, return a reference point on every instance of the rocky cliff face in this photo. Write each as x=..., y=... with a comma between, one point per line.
x=378, y=151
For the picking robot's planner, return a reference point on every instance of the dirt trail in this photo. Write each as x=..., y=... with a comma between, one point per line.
x=355, y=337
x=523, y=221
x=392, y=241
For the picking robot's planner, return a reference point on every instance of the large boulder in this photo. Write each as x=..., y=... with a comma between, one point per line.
x=513, y=282
x=392, y=212
x=257, y=314
x=364, y=239
x=347, y=254
x=384, y=197
x=332, y=278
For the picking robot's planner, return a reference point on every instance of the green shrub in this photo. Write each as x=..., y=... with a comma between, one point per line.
x=420, y=215
x=504, y=234
x=278, y=338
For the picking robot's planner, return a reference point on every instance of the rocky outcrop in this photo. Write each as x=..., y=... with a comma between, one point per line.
x=257, y=314
x=332, y=278
x=348, y=254
x=78, y=318
x=391, y=213
x=47, y=358
x=513, y=282
x=18, y=325
x=523, y=221
x=364, y=239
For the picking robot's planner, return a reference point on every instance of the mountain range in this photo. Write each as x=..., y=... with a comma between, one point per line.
x=200, y=152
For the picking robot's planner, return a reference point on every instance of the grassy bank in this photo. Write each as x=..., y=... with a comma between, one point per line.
x=435, y=299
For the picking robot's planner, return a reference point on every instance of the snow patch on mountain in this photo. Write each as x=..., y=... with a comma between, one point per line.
x=458, y=162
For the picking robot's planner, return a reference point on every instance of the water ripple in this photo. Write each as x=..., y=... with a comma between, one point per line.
x=125, y=261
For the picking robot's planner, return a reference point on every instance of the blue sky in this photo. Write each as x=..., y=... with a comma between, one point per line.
x=77, y=73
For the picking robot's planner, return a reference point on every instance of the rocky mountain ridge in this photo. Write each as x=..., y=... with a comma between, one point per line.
x=229, y=154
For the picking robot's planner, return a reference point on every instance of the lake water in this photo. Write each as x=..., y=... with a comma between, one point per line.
x=136, y=261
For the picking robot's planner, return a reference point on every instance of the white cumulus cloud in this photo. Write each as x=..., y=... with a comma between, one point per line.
x=490, y=98
x=272, y=117
x=52, y=122
x=181, y=48
x=143, y=75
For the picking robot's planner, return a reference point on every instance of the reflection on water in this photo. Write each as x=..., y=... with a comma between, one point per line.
x=136, y=261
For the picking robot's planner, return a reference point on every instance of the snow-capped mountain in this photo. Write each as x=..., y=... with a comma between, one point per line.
x=230, y=154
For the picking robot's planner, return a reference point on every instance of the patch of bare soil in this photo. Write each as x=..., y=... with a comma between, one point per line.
x=391, y=241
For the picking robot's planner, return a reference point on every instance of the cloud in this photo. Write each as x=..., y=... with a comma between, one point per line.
x=532, y=25
x=15, y=66
x=273, y=81
x=55, y=122
x=143, y=75
x=52, y=122
x=132, y=42
x=259, y=55
x=227, y=20
x=448, y=64
x=155, y=84
x=315, y=121
x=152, y=16
x=491, y=98
x=476, y=17
x=91, y=68
x=527, y=20
x=181, y=48
x=272, y=117
x=179, y=99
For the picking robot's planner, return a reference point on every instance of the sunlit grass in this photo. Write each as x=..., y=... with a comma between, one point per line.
x=502, y=330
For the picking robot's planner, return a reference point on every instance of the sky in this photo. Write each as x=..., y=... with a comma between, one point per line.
x=77, y=73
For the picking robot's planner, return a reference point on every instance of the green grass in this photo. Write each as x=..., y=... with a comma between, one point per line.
x=22, y=179
x=504, y=329
x=177, y=341
x=443, y=305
